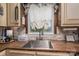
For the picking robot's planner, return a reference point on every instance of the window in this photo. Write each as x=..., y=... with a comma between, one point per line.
x=41, y=18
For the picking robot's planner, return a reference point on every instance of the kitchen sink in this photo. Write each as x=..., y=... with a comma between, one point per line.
x=43, y=44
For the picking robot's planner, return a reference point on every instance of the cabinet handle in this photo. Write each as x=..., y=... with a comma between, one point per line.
x=16, y=13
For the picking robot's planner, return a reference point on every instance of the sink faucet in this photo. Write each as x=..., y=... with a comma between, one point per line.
x=40, y=35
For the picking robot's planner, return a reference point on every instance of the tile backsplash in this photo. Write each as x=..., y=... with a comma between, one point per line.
x=34, y=36
x=47, y=36
x=22, y=33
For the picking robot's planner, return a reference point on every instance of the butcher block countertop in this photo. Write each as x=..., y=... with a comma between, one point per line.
x=58, y=46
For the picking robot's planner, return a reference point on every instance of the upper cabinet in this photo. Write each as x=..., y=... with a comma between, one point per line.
x=70, y=14
x=10, y=14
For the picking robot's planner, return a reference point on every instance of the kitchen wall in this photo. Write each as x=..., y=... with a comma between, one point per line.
x=21, y=31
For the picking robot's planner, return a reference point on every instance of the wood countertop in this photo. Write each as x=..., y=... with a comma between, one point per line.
x=58, y=46
x=15, y=44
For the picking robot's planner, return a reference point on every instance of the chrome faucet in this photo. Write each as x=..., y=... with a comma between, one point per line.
x=40, y=35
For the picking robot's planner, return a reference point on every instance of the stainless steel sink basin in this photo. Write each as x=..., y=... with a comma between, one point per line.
x=43, y=44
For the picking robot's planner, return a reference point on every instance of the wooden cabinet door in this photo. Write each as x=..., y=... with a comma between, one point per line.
x=70, y=14
x=14, y=14
x=3, y=14
x=20, y=53
x=54, y=54
x=10, y=14
x=3, y=53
